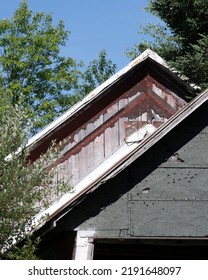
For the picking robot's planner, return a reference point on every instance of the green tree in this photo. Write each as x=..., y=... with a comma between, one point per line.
x=181, y=38
x=97, y=72
x=31, y=65
x=23, y=191
x=34, y=82
x=27, y=251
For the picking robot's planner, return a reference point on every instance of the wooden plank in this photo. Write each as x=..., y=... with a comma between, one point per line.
x=122, y=102
x=113, y=109
x=98, y=148
x=144, y=117
x=171, y=100
x=70, y=143
x=69, y=171
x=75, y=168
x=81, y=134
x=158, y=91
x=121, y=130
x=121, y=122
x=94, y=124
x=90, y=156
x=84, y=247
x=134, y=96
x=130, y=128
x=82, y=156
x=111, y=139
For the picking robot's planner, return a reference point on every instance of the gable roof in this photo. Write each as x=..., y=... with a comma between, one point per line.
x=123, y=157
x=146, y=56
x=125, y=154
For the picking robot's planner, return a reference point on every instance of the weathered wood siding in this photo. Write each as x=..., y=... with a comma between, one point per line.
x=163, y=193
x=106, y=131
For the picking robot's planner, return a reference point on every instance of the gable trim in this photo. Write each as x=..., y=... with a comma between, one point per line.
x=60, y=121
x=123, y=157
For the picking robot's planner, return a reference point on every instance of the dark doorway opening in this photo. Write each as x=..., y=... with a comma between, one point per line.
x=147, y=249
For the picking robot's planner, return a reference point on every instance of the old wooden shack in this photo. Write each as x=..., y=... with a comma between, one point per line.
x=136, y=156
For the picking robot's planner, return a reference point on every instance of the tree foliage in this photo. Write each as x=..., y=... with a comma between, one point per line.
x=181, y=38
x=25, y=187
x=97, y=72
x=28, y=250
x=35, y=82
x=31, y=65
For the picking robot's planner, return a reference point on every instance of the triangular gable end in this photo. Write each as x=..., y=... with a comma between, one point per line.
x=164, y=84
x=146, y=93
x=155, y=193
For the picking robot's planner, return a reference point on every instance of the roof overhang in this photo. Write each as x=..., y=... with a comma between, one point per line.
x=113, y=165
x=147, y=56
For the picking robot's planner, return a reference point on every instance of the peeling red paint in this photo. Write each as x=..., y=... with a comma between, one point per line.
x=98, y=130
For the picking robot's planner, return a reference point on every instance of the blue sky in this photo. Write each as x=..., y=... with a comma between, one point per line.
x=94, y=25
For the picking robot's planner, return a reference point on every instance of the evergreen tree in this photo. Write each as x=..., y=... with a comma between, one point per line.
x=182, y=37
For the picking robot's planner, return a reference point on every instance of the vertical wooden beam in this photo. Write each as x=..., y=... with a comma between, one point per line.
x=84, y=247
